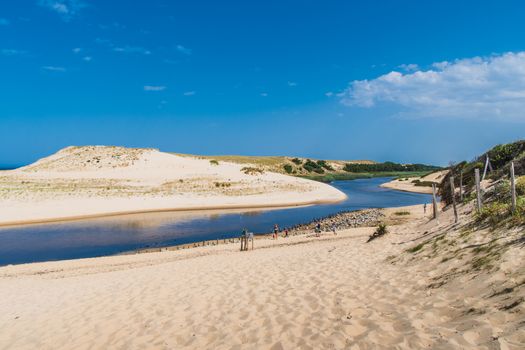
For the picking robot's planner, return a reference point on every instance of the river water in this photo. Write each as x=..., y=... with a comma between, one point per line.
x=113, y=235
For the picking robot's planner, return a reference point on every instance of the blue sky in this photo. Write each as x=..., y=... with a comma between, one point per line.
x=408, y=81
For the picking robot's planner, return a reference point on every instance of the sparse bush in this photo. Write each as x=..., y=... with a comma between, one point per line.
x=312, y=166
x=222, y=184
x=252, y=171
x=416, y=248
x=288, y=168
x=520, y=186
x=325, y=165
x=214, y=162
x=297, y=161
x=381, y=230
x=401, y=213
x=494, y=212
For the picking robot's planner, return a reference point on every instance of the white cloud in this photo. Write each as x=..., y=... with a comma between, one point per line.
x=4, y=22
x=292, y=83
x=154, y=88
x=189, y=93
x=411, y=67
x=481, y=87
x=329, y=94
x=183, y=50
x=66, y=9
x=264, y=94
x=87, y=58
x=132, y=49
x=77, y=50
x=54, y=68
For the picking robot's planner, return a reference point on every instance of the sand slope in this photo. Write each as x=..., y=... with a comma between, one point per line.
x=332, y=292
x=99, y=180
x=406, y=184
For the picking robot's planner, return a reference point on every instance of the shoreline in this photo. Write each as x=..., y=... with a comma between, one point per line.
x=22, y=223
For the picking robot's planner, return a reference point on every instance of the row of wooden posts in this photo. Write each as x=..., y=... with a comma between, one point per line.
x=479, y=200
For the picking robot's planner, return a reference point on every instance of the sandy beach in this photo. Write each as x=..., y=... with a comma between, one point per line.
x=408, y=184
x=328, y=292
x=93, y=181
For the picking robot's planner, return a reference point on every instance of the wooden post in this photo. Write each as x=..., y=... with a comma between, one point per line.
x=461, y=186
x=453, y=198
x=478, y=189
x=513, y=187
x=434, y=201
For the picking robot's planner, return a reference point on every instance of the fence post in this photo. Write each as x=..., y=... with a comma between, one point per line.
x=478, y=189
x=513, y=187
x=453, y=198
x=434, y=201
x=461, y=186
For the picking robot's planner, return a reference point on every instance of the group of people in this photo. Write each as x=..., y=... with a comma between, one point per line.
x=318, y=230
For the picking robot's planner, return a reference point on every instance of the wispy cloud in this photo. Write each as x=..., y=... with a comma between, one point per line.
x=154, y=88
x=329, y=94
x=77, y=50
x=12, y=52
x=54, y=69
x=66, y=9
x=183, y=50
x=264, y=94
x=87, y=58
x=132, y=49
x=292, y=83
x=189, y=93
x=481, y=87
x=411, y=67
x=4, y=22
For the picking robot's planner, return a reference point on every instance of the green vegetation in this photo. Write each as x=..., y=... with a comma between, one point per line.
x=416, y=248
x=297, y=161
x=312, y=166
x=354, y=176
x=381, y=230
x=319, y=170
x=401, y=213
x=387, y=167
x=520, y=186
x=252, y=171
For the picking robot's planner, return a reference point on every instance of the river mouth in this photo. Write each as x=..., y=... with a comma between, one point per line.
x=113, y=235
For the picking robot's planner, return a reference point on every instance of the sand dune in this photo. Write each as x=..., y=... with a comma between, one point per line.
x=96, y=180
x=332, y=292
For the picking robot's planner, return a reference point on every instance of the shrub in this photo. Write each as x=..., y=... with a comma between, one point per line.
x=288, y=168
x=494, y=212
x=214, y=162
x=252, y=171
x=520, y=186
x=381, y=230
x=400, y=213
x=324, y=164
x=297, y=161
x=502, y=190
x=222, y=184
x=312, y=166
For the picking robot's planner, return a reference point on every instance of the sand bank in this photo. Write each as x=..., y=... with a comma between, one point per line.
x=82, y=182
x=300, y=292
